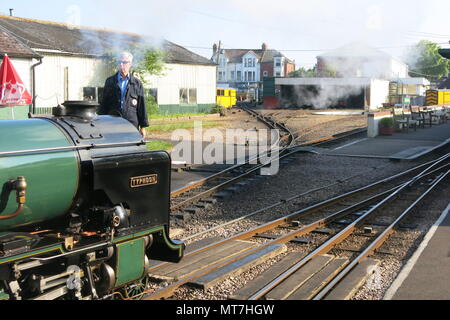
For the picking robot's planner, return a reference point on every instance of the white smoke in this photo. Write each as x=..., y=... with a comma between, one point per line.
x=332, y=96
x=106, y=41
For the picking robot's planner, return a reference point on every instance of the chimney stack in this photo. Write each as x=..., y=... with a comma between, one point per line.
x=11, y=12
x=264, y=47
x=214, y=49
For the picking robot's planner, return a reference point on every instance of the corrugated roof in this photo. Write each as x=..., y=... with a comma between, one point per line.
x=46, y=35
x=13, y=47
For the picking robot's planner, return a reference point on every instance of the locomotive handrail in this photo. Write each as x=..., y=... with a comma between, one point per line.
x=91, y=146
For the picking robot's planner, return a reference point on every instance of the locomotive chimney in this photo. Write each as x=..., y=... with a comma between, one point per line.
x=86, y=110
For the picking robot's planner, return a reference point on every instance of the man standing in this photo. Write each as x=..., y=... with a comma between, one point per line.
x=123, y=95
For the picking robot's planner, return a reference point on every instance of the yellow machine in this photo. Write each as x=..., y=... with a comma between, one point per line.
x=437, y=97
x=226, y=97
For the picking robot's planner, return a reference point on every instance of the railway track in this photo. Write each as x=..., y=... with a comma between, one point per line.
x=344, y=217
x=198, y=195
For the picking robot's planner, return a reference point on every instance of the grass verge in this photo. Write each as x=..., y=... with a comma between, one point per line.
x=181, y=125
x=159, y=145
x=176, y=115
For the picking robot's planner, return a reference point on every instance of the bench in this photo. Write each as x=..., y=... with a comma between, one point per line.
x=403, y=119
x=427, y=116
x=439, y=116
x=417, y=116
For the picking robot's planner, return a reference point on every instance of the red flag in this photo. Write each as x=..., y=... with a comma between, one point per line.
x=12, y=89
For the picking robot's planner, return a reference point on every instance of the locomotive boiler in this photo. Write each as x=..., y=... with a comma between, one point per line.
x=83, y=206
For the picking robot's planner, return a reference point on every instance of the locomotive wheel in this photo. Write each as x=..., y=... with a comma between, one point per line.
x=137, y=290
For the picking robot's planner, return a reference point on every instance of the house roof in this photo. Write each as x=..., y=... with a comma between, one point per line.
x=45, y=35
x=235, y=55
x=14, y=47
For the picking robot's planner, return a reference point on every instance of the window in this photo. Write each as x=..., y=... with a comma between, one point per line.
x=222, y=75
x=89, y=93
x=232, y=75
x=192, y=96
x=278, y=62
x=151, y=92
x=93, y=93
x=184, y=96
x=278, y=74
x=100, y=94
x=188, y=96
x=239, y=77
x=265, y=73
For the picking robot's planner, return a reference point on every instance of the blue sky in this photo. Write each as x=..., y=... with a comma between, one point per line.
x=301, y=29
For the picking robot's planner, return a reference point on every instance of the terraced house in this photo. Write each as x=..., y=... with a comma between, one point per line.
x=245, y=69
x=61, y=62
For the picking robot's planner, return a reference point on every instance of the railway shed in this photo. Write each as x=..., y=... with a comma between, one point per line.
x=60, y=62
x=358, y=93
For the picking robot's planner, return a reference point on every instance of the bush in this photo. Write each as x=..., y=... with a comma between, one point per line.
x=387, y=122
x=218, y=109
x=152, y=106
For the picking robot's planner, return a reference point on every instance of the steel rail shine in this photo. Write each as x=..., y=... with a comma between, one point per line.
x=340, y=236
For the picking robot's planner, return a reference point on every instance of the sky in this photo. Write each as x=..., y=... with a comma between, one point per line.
x=300, y=29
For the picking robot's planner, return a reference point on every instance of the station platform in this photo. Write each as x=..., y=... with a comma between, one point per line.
x=400, y=146
x=425, y=275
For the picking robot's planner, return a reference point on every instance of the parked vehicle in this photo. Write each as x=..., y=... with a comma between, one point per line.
x=226, y=97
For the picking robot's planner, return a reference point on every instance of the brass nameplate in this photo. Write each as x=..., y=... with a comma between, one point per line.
x=142, y=181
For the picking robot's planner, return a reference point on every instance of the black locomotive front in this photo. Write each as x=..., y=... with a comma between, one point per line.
x=117, y=220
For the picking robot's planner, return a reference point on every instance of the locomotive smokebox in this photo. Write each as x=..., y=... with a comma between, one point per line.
x=75, y=158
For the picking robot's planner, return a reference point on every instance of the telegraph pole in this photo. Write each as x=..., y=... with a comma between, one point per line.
x=218, y=63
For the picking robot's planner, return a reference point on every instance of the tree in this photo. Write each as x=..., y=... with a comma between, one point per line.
x=304, y=73
x=427, y=62
x=146, y=61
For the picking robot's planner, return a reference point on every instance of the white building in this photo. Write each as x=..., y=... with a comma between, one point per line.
x=245, y=68
x=22, y=58
x=242, y=68
x=360, y=60
x=72, y=65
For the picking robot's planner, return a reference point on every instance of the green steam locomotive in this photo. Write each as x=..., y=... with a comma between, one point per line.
x=83, y=207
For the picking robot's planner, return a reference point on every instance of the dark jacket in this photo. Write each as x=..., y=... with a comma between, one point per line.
x=134, y=105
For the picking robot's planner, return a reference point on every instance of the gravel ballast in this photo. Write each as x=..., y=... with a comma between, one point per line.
x=305, y=172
